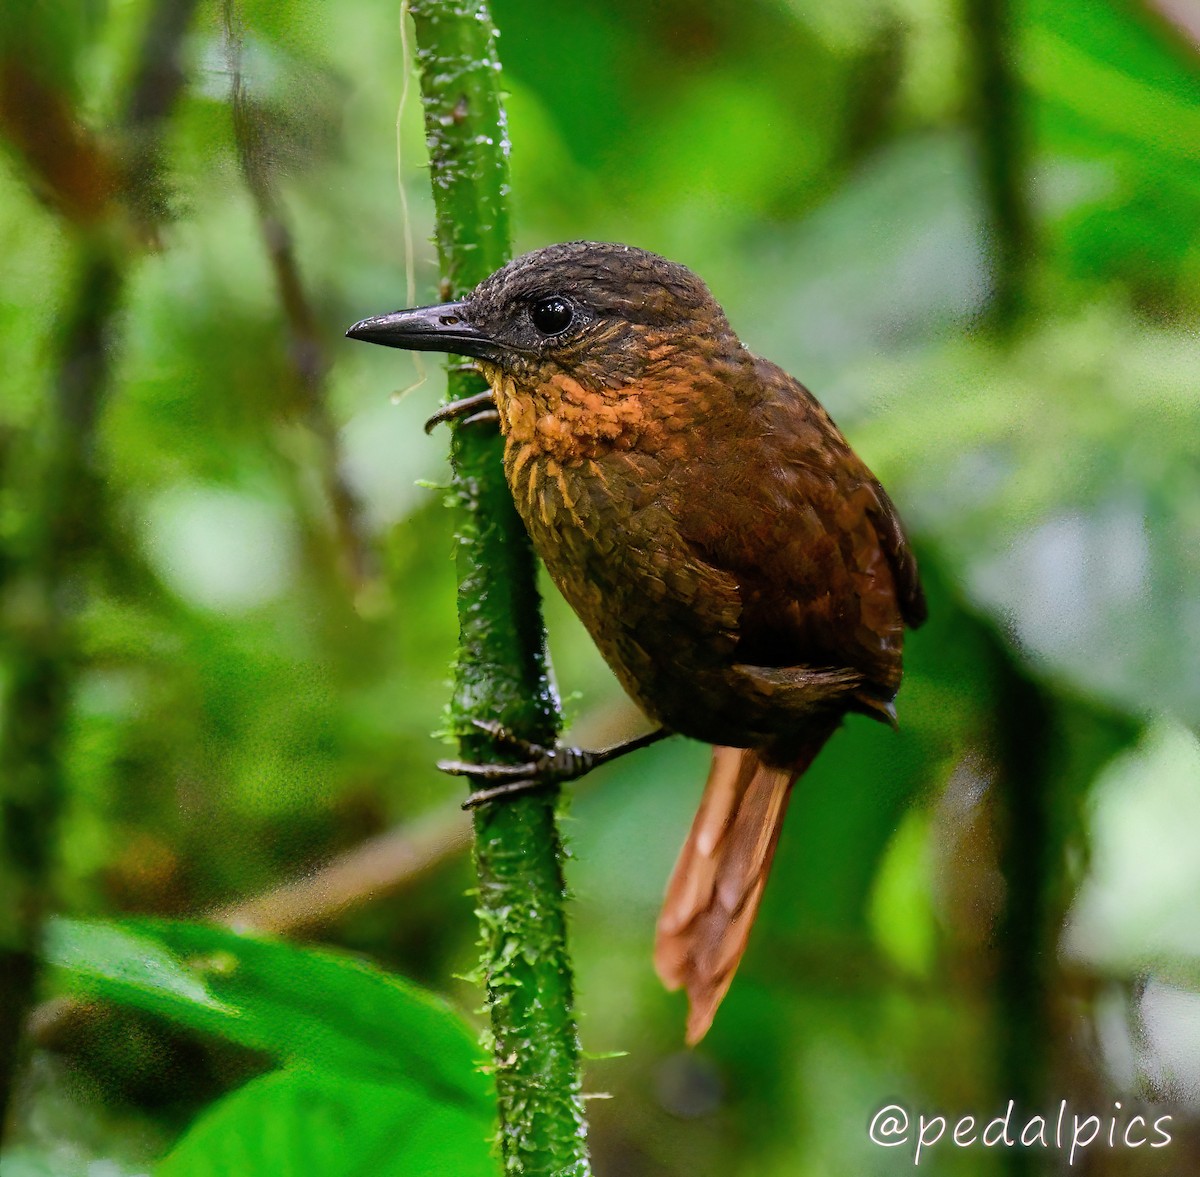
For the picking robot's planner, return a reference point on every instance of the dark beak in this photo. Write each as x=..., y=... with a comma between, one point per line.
x=437, y=328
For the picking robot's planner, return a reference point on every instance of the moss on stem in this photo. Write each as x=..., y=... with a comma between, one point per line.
x=502, y=671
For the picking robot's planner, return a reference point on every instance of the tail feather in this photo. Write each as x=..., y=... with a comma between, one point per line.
x=715, y=889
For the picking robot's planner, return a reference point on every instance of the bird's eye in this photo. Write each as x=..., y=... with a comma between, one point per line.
x=552, y=315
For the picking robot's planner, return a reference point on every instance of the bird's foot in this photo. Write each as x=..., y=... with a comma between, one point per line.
x=480, y=407
x=543, y=767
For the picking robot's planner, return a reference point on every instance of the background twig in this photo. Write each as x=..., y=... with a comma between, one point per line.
x=368, y=872
x=307, y=351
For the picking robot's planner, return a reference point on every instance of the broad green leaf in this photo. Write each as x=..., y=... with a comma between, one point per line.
x=1058, y=480
x=296, y=1124
x=313, y=1007
x=1118, y=102
x=1113, y=113
x=108, y=951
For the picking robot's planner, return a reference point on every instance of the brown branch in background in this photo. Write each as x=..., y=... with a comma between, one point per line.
x=79, y=173
x=49, y=566
x=70, y=168
x=371, y=871
x=996, y=122
x=380, y=866
x=307, y=349
x=156, y=85
x=160, y=76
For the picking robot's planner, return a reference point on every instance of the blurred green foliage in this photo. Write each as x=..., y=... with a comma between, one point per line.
x=375, y=1073
x=977, y=909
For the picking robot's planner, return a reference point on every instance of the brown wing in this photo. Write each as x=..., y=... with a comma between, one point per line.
x=904, y=564
x=824, y=570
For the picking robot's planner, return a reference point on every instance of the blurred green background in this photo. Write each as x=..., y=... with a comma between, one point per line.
x=226, y=578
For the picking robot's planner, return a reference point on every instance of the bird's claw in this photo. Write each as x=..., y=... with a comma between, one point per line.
x=480, y=407
x=542, y=768
x=488, y=416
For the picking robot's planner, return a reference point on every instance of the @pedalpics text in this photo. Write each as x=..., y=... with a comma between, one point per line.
x=1063, y=1130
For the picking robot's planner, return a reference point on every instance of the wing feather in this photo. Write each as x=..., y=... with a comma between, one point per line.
x=824, y=570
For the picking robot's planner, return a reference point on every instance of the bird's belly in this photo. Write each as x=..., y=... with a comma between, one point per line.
x=666, y=624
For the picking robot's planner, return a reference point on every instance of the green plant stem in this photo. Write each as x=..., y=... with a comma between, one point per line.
x=1025, y=747
x=47, y=571
x=997, y=126
x=502, y=671
x=42, y=598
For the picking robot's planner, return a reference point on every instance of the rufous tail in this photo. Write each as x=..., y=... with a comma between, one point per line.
x=717, y=883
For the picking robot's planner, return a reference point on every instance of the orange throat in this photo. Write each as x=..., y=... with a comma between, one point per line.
x=562, y=420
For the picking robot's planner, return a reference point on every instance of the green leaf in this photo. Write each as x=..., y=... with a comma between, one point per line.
x=297, y=1124
x=312, y=1007
x=1119, y=102
x=109, y=951
x=1058, y=479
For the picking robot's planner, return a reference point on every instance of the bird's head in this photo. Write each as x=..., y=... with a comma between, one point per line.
x=600, y=319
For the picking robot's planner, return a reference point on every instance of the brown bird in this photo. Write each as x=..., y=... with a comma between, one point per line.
x=736, y=563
